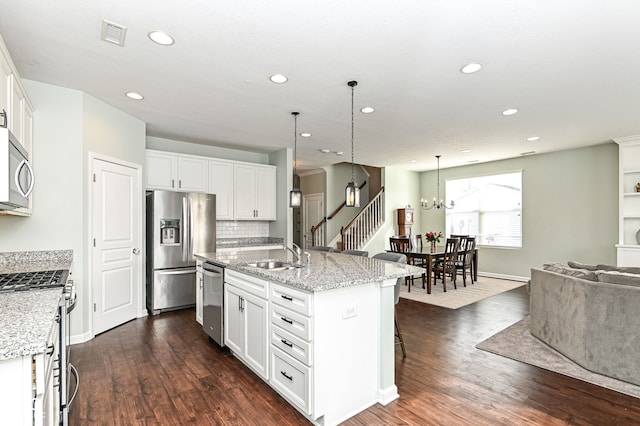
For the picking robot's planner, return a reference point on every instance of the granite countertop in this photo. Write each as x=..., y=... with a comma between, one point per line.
x=26, y=317
x=326, y=270
x=236, y=243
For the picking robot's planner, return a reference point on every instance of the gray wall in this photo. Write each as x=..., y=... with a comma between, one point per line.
x=282, y=227
x=569, y=208
x=183, y=147
x=67, y=125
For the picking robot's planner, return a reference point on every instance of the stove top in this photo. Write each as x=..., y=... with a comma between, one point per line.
x=33, y=280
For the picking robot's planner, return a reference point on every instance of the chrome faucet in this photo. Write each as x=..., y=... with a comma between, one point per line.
x=297, y=254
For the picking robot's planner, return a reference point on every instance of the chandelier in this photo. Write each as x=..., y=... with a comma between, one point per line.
x=436, y=204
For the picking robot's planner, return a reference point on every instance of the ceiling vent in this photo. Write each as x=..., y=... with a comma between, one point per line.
x=113, y=33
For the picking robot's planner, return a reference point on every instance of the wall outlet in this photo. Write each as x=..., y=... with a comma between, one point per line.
x=349, y=311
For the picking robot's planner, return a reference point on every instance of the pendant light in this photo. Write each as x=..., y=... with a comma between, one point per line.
x=352, y=192
x=436, y=204
x=295, y=196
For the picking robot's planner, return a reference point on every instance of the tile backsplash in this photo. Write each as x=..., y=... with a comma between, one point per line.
x=241, y=229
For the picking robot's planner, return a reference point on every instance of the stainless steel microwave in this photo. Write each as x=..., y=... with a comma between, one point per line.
x=16, y=174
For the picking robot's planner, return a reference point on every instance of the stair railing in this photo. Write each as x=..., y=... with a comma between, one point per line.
x=364, y=225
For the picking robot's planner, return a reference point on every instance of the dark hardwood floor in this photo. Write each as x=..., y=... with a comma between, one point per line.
x=163, y=370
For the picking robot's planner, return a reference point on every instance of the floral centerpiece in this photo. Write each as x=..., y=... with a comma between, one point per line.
x=433, y=238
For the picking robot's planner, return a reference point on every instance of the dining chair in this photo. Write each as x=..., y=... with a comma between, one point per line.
x=400, y=258
x=356, y=252
x=465, y=259
x=403, y=245
x=447, y=265
x=322, y=248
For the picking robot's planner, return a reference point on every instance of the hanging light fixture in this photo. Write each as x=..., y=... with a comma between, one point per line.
x=352, y=192
x=295, y=196
x=436, y=204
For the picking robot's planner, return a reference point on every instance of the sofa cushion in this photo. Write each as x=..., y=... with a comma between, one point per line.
x=578, y=265
x=625, y=269
x=614, y=277
x=560, y=268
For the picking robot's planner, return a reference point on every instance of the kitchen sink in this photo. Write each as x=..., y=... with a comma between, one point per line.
x=272, y=265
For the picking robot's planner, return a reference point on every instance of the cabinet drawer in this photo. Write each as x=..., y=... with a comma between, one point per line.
x=296, y=300
x=290, y=321
x=253, y=285
x=292, y=345
x=291, y=379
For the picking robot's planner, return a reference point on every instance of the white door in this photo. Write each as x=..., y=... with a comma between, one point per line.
x=313, y=212
x=115, y=260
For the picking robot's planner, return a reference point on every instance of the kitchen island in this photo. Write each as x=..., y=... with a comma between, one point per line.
x=321, y=335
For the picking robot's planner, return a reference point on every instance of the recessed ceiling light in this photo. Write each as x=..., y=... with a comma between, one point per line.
x=324, y=150
x=527, y=153
x=509, y=111
x=305, y=135
x=367, y=110
x=134, y=95
x=471, y=68
x=161, y=37
x=278, y=78
x=466, y=151
x=413, y=161
x=533, y=138
x=472, y=161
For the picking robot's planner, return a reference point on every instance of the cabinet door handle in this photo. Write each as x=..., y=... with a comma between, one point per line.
x=50, y=349
x=285, y=297
x=287, y=320
x=286, y=375
x=286, y=343
x=179, y=183
x=173, y=183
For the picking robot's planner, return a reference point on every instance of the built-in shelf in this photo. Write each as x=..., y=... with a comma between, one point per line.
x=628, y=249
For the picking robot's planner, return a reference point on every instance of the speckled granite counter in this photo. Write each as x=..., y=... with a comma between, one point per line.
x=26, y=317
x=326, y=271
x=236, y=244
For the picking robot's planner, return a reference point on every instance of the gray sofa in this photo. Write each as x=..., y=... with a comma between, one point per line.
x=590, y=314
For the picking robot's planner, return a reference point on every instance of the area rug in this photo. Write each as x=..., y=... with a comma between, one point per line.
x=462, y=296
x=516, y=342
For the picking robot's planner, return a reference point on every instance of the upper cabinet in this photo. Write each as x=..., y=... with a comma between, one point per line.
x=18, y=112
x=176, y=172
x=629, y=227
x=255, y=189
x=244, y=191
x=221, y=184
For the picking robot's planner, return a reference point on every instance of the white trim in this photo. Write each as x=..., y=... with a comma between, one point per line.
x=504, y=277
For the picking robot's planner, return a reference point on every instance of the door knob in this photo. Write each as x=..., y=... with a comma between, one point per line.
x=136, y=251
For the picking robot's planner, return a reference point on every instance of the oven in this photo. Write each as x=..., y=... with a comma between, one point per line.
x=32, y=281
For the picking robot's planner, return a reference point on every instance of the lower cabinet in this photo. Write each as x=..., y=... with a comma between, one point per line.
x=246, y=316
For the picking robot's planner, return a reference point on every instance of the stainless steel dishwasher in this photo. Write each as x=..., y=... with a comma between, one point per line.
x=212, y=302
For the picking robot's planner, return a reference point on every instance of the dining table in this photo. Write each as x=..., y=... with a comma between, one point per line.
x=430, y=258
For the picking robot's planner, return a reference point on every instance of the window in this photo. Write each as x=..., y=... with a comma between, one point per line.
x=489, y=207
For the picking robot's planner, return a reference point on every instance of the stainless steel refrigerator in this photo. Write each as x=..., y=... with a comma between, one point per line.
x=178, y=225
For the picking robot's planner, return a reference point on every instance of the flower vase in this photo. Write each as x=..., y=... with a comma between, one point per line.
x=433, y=246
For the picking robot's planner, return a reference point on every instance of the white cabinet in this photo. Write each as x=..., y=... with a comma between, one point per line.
x=29, y=394
x=246, y=315
x=5, y=86
x=221, y=184
x=628, y=247
x=255, y=189
x=199, y=291
x=176, y=172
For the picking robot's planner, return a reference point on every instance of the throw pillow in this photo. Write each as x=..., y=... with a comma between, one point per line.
x=559, y=268
x=578, y=265
x=625, y=269
x=613, y=277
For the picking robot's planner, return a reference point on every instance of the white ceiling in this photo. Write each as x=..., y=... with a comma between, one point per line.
x=571, y=68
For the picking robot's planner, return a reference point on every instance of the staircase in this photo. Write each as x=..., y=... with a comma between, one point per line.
x=364, y=225
x=356, y=233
